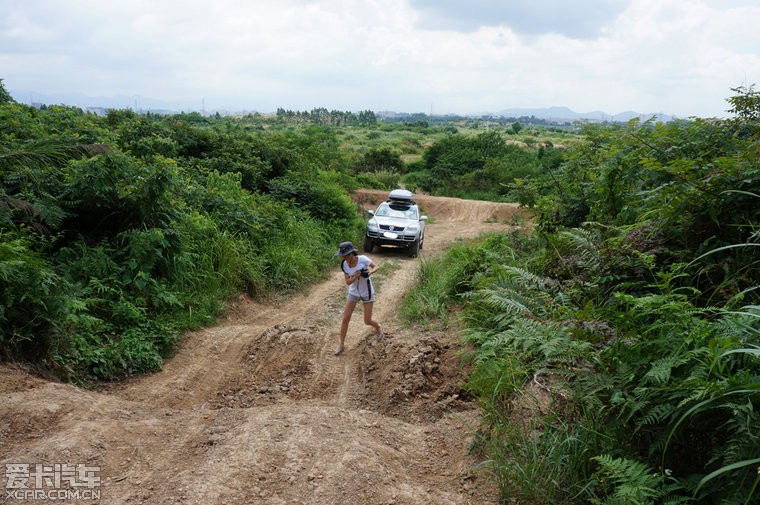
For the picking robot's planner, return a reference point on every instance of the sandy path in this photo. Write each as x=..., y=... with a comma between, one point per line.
x=256, y=409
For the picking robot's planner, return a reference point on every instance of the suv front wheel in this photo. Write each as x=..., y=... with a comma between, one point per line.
x=414, y=249
x=368, y=244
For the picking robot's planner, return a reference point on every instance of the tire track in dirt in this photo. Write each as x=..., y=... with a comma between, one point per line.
x=257, y=409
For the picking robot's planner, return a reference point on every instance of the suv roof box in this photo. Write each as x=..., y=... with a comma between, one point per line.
x=401, y=195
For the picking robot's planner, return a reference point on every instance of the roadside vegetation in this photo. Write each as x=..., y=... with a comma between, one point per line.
x=118, y=233
x=615, y=350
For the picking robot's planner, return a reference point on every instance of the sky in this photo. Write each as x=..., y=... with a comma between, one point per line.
x=677, y=57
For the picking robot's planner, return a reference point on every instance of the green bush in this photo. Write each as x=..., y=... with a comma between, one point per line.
x=386, y=180
x=647, y=396
x=112, y=248
x=33, y=299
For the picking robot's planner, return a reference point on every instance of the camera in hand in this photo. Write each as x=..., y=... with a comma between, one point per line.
x=364, y=272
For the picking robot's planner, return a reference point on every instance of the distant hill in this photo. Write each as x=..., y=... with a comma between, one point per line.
x=563, y=113
x=140, y=103
x=135, y=102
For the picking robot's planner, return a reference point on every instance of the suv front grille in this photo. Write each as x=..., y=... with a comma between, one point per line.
x=391, y=228
x=401, y=238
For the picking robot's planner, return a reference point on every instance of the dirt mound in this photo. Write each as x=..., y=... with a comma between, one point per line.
x=449, y=209
x=257, y=409
x=418, y=382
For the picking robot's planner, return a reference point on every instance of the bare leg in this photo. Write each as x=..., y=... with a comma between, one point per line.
x=368, y=317
x=347, y=313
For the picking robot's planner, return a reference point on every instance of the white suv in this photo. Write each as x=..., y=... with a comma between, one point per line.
x=396, y=222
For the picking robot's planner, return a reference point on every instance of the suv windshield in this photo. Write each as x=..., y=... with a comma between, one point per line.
x=396, y=210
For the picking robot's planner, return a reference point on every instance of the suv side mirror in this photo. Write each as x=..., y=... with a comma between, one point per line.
x=371, y=212
x=423, y=218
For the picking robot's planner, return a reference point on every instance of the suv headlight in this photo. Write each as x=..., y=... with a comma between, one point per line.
x=372, y=225
x=413, y=229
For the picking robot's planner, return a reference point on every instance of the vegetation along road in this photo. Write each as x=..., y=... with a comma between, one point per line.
x=256, y=409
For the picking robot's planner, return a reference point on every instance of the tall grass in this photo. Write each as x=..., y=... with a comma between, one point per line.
x=440, y=281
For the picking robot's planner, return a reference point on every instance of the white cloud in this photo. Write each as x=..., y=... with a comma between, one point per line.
x=573, y=18
x=672, y=56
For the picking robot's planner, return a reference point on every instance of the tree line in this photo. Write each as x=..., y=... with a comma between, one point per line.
x=322, y=116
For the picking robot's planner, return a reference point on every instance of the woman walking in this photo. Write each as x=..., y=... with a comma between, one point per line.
x=357, y=270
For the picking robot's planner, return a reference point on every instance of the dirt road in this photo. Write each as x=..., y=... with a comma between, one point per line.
x=256, y=409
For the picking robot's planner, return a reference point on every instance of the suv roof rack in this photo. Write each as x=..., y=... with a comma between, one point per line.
x=401, y=196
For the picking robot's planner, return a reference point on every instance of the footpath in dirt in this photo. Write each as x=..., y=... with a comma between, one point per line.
x=257, y=409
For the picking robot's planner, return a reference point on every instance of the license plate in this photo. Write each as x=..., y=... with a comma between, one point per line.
x=388, y=234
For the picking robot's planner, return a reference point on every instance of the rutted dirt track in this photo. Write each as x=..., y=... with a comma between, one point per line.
x=256, y=409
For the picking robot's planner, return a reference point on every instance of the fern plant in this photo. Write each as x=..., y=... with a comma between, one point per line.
x=626, y=481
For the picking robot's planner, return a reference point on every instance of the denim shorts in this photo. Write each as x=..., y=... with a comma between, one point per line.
x=354, y=298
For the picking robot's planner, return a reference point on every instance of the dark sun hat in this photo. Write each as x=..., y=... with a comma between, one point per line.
x=345, y=248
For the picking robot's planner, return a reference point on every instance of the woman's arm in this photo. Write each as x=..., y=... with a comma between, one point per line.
x=350, y=279
x=372, y=267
